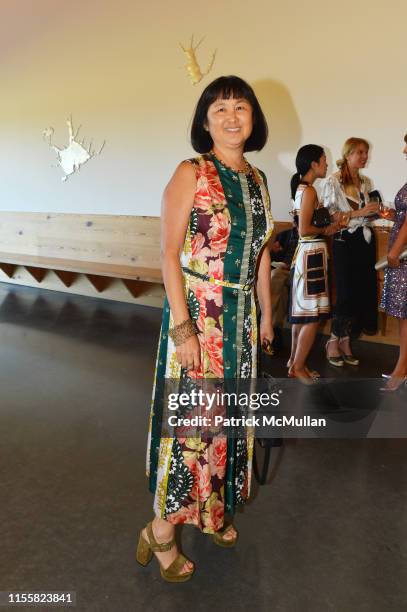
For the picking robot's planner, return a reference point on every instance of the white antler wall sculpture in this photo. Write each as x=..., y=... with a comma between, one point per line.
x=72, y=157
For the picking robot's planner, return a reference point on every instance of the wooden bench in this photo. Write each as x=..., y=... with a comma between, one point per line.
x=66, y=269
x=110, y=256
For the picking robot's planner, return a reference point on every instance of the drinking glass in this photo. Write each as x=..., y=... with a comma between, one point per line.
x=343, y=220
x=385, y=212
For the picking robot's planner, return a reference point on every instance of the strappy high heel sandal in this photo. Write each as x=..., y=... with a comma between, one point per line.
x=335, y=360
x=392, y=387
x=347, y=357
x=145, y=552
x=313, y=377
x=220, y=540
x=312, y=373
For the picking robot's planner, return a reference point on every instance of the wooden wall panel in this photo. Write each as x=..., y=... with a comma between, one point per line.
x=104, y=238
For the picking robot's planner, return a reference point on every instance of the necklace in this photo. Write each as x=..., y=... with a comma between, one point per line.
x=247, y=167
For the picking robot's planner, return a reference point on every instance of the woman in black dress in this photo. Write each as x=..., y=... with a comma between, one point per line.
x=346, y=193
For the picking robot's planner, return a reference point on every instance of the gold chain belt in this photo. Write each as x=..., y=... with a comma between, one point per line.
x=210, y=279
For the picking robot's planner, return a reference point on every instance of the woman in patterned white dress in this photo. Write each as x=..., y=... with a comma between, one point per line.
x=309, y=289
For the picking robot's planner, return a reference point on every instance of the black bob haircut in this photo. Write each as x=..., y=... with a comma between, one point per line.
x=226, y=87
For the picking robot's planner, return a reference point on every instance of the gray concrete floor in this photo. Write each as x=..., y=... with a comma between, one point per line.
x=328, y=533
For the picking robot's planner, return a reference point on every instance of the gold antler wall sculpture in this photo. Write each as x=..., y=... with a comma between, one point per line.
x=192, y=66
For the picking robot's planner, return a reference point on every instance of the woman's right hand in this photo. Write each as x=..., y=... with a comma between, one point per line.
x=370, y=209
x=189, y=353
x=332, y=229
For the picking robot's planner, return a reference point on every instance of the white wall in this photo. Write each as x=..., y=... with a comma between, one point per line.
x=323, y=71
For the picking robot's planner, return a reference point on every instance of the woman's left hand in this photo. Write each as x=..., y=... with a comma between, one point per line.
x=266, y=333
x=393, y=260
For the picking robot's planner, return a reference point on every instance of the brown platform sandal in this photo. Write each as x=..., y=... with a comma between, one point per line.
x=145, y=552
x=220, y=540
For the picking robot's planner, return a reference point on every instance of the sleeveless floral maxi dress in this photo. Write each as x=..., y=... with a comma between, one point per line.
x=196, y=480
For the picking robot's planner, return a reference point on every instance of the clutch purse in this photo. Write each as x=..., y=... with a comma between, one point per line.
x=382, y=263
x=374, y=196
x=321, y=217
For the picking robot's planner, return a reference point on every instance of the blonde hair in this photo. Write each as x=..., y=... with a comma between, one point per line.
x=349, y=146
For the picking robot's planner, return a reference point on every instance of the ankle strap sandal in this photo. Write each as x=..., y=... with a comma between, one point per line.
x=220, y=540
x=335, y=360
x=145, y=552
x=347, y=357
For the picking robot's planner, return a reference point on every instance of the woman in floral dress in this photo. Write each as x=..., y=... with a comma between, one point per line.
x=216, y=221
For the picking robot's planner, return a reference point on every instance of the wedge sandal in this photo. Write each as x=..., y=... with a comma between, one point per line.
x=335, y=360
x=348, y=357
